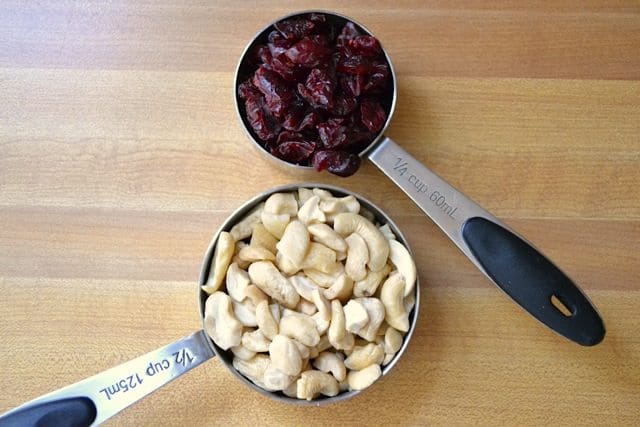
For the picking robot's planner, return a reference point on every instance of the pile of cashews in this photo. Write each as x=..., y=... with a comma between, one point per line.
x=310, y=295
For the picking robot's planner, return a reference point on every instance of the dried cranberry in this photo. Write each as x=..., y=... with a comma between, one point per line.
x=365, y=46
x=339, y=163
x=372, y=115
x=308, y=53
x=262, y=124
x=343, y=105
x=261, y=55
x=355, y=64
x=295, y=28
x=319, y=88
x=287, y=69
x=378, y=78
x=310, y=121
x=294, y=115
x=332, y=133
x=277, y=44
x=292, y=147
x=246, y=90
x=349, y=31
x=352, y=84
x=277, y=94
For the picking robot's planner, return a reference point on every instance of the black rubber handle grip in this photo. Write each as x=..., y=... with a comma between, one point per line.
x=532, y=280
x=71, y=412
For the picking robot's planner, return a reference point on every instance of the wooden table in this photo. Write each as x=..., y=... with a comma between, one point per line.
x=120, y=155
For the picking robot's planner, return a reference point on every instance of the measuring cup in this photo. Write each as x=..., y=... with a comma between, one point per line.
x=507, y=259
x=95, y=399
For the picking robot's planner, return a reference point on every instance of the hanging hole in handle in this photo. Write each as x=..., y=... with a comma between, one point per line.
x=562, y=307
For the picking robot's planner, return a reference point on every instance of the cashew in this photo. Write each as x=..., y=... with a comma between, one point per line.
x=326, y=235
x=285, y=355
x=306, y=307
x=255, y=253
x=392, y=341
x=243, y=229
x=300, y=327
x=294, y=243
x=285, y=265
x=388, y=357
x=368, y=286
x=219, y=321
x=310, y=212
x=255, y=341
x=391, y=296
x=324, y=309
x=330, y=362
x=341, y=289
x=281, y=203
x=253, y=368
x=323, y=279
x=245, y=313
x=304, y=194
x=367, y=214
x=361, y=357
x=357, y=257
x=323, y=194
x=262, y=238
x=267, y=277
x=319, y=257
x=275, y=380
x=275, y=312
x=304, y=286
x=312, y=383
x=378, y=245
x=236, y=259
x=266, y=323
x=355, y=316
x=292, y=390
x=359, y=380
x=275, y=223
x=409, y=302
x=237, y=281
x=222, y=255
x=335, y=205
x=303, y=349
x=255, y=295
x=375, y=311
x=402, y=259
x=337, y=328
x=386, y=231
x=242, y=352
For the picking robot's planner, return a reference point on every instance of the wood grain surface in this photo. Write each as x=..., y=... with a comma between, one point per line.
x=120, y=155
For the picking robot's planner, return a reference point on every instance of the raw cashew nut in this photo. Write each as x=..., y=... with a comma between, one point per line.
x=255, y=253
x=243, y=229
x=266, y=323
x=242, y=352
x=336, y=205
x=285, y=355
x=253, y=368
x=341, y=289
x=310, y=212
x=368, y=286
x=312, y=383
x=300, y=327
x=323, y=316
x=275, y=379
x=330, y=362
x=266, y=276
x=304, y=194
x=355, y=316
x=326, y=235
x=402, y=259
x=323, y=279
x=361, y=357
x=219, y=321
x=306, y=307
x=237, y=281
x=255, y=341
x=386, y=230
x=375, y=311
x=262, y=238
x=255, y=295
x=275, y=223
x=245, y=313
x=391, y=295
x=241, y=263
x=295, y=242
x=357, y=257
x=225, y=246
x=392, y=341
x=359, y=380
x=378, y=245
x=285, y=265
x=281, y=203
x=319, y=258
x=304, y=286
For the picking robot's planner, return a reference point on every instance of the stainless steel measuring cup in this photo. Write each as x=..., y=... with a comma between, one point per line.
x=506, y=258
x=95, y=399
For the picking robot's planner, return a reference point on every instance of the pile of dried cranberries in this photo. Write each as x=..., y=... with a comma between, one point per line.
x=316, y=93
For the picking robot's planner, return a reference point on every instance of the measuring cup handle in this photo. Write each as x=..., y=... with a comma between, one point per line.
x=95, y=399
x=507, y=259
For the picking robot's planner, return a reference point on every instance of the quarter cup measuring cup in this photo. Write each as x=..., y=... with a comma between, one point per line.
x=95, y=399
x=506, y=258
